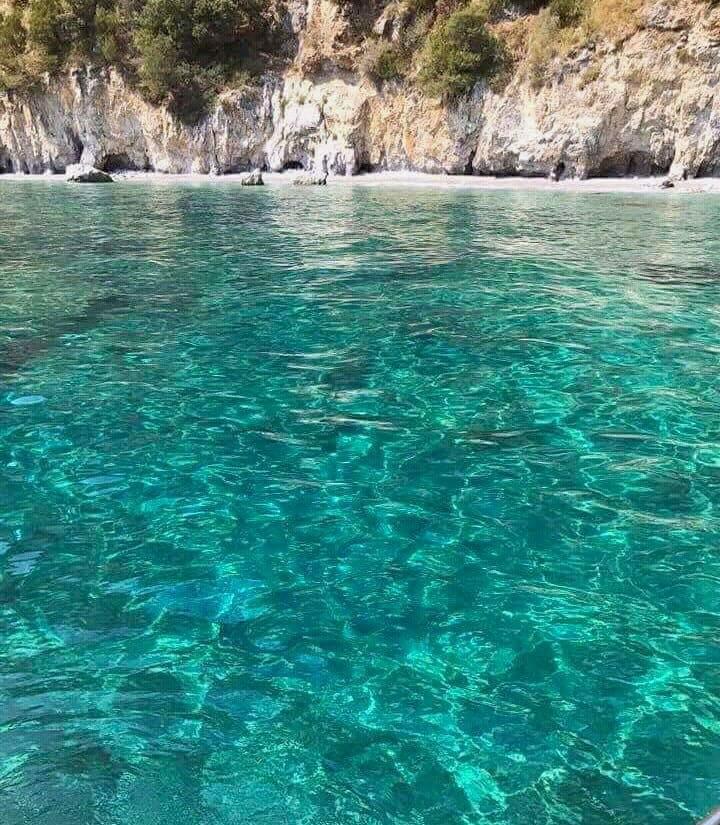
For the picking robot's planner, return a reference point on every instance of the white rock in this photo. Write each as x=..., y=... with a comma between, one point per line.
x=310, y=179
x=253, y=178
x=80, y=173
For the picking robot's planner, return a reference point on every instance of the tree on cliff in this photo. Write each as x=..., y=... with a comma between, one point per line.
x=182, y=52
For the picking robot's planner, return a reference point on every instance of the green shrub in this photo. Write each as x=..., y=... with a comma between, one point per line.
x=110, y=35
x=492, y=9
x=187, y=49
x=46, y=32
x=180, y=51
x=567, y=12
x=382, y=60
x=39, y=36
x=13, y=42
x=459, y=51
x=77, y=26
x=420, y=6
x=552, y=37
x=157, y=69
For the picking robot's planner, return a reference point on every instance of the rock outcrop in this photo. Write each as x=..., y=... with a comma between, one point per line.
x=647, y=105
x=79, y=173
x=310, y=179
x=253, y=178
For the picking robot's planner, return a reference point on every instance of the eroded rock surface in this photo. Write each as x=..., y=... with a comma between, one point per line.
x=310, y=179
x=80, y=173
x=254, y=178
x=645, y=106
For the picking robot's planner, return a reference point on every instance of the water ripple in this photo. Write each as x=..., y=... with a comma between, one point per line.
x=358, y=506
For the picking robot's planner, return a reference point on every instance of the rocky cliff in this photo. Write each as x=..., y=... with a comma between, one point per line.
x=644, y=105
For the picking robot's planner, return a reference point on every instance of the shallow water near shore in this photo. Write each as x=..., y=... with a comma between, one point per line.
x=358, y=505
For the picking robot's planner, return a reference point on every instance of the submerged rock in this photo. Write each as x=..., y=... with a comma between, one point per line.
x=80, y=173
x=253, y=178
x=311, y=179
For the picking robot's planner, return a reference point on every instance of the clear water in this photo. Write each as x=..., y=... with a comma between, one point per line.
x=358, y=506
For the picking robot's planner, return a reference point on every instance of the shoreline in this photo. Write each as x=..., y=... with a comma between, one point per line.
x=647, y=185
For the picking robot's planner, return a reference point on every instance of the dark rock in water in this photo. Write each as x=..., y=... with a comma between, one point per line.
x=311, y=179
x=254, y=178
x=667, y=184
x=80, y=173
x=557, y=172
x=534, y=664
x=17, y=352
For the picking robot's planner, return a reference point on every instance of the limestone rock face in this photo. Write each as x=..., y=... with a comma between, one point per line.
x=647, y=105
x=80, y=173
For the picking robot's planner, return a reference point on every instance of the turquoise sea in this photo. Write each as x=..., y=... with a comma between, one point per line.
x=358, y=506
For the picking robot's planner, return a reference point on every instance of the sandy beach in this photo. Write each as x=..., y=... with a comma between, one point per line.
x=423, y=180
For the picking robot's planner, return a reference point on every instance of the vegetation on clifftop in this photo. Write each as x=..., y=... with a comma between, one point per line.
x=459, y=50
x=182, y=52
x=178, y=51
x=447, y=48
